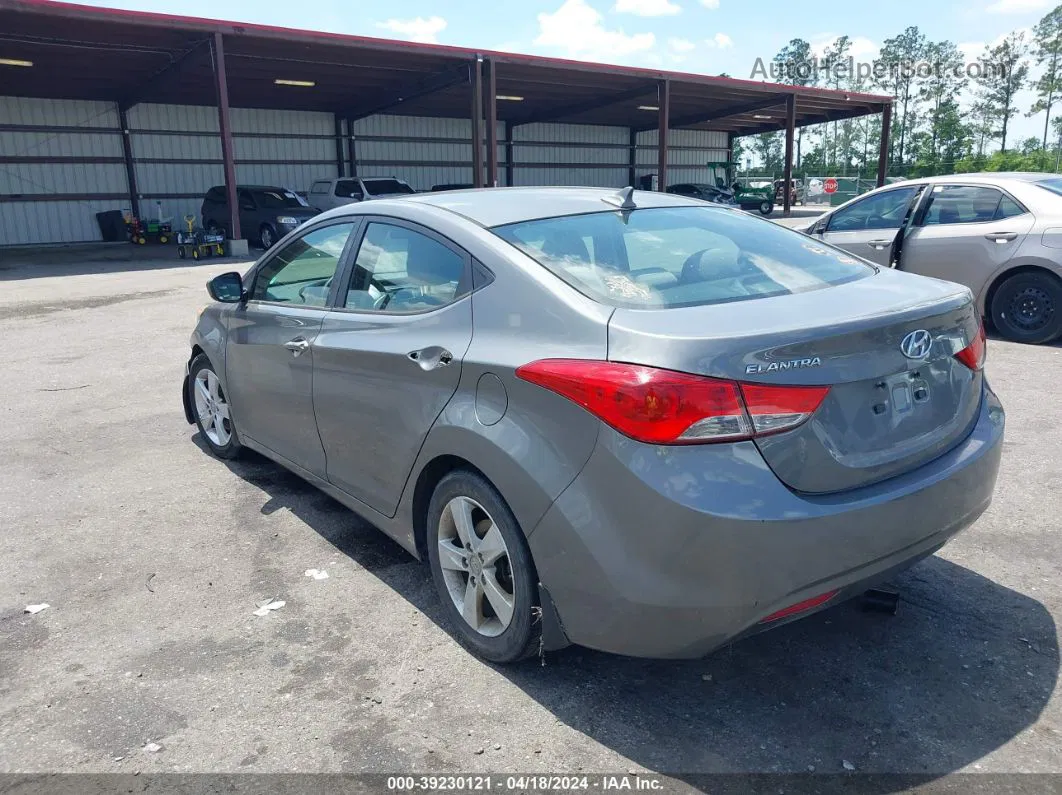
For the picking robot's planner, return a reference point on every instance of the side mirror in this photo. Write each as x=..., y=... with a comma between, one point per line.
x=819, y=226
x=227, y=288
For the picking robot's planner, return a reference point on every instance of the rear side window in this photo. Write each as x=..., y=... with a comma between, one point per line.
x=1008, y=208
x=348, y=189
x=680, y=256
x=961, y=204
x=320, y=187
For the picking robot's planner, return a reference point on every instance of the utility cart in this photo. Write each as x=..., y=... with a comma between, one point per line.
x=197, y=243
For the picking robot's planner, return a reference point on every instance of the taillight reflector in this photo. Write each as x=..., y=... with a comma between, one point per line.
x=973, y=355
x=666, y=407
x=800, y=607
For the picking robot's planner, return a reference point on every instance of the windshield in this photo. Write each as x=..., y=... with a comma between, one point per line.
x=278, y=199
x=378, y=187
x=680, y=256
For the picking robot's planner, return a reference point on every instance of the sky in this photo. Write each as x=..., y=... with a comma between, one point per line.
x=702, y=36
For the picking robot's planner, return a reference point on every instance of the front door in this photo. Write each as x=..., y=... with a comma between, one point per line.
x=868, y=227
x=965, y=233
x=387, y=360
x=269, y=355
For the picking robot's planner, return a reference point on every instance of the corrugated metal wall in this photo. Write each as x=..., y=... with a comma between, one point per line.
x=177, y=155
x=83, y=132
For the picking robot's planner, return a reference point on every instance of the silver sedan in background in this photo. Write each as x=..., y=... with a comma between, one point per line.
x=636, y=422
x=1000, y=234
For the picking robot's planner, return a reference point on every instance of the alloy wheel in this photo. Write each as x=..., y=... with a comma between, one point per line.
x=476, y=566
x=211, y=408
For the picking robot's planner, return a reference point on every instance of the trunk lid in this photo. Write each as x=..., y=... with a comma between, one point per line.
x=886, y=413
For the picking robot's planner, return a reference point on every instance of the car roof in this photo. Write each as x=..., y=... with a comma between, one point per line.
x=498, y=206
x=986, y=176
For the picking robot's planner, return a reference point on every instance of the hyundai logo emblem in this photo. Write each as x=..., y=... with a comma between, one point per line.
x=916, y=345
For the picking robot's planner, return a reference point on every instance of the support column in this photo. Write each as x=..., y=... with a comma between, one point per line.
x=352, y=153
x=477, y=122
x=664, y=101
x=218, y=52
x=492, y=124
x=130, y=168
x=341, y=166
x=632, y=157
x=509, y=153
x=883, y=153
x=787, y=171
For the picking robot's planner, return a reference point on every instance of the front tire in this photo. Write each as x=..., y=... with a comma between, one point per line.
x=267, y=237
x=1027, y=308
x=482, y=569
x=766, y=207
x=210, y=407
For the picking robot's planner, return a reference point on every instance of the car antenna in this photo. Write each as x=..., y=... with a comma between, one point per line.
x=623, y=198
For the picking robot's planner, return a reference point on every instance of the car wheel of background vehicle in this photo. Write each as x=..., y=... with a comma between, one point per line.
x=1027, y=307
x=212, y=412
x=181, y=252
x=214, y=229
x=267, y=237
x=766, y=207
x=195, y=253
x=482, y=568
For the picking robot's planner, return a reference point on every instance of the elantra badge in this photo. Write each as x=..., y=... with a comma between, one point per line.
x=792, y=364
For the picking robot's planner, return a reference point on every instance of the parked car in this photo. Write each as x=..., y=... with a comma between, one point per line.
x=703, y=191
x=266, y=213
x=796, y=192
x=999, y=234
x=452, y=186
x=632, y=421
x=325, y=194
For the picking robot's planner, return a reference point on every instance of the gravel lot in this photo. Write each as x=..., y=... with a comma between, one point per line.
x=152, y=555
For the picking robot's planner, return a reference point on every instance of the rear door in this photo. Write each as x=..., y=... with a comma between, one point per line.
x=269, y=354
x=868, y=226
x=388, y=356
x=249, y=220
x=963, y=233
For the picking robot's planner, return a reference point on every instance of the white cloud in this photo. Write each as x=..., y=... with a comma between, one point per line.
x=576, y=29
x=646, y=8
x=720, y=40
x=712, y=4
x=416, y=29
x=680, y=45
x=1016, y=6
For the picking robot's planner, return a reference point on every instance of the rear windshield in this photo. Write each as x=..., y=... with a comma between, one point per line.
x=378, y=187
x=277, y=199
x=1053, y=185
x=680, y=256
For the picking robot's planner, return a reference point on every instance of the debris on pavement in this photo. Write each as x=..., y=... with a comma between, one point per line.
x=152, y=748
x=266, y=606
x=34, y=609
x=148, y=583
x=317, y=574
x=847, y=765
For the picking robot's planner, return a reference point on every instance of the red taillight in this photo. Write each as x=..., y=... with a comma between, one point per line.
x=973, y=355
x=666, y=407
x=800, y=607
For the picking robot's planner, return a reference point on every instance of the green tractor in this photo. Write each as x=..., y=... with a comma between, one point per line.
x=754, y=195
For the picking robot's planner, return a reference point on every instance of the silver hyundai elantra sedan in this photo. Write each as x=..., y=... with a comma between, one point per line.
x=631, y=421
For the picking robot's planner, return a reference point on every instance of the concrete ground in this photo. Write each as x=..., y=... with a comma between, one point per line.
x=152, y=556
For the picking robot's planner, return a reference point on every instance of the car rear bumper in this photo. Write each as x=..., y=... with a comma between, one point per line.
x=673, y=551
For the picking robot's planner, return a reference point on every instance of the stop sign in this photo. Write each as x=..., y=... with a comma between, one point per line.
x=830, y=185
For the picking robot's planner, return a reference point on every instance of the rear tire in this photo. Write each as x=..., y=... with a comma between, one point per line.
x=211, y=409
x=766, y=207
x=1027, y=307
x=492, y=566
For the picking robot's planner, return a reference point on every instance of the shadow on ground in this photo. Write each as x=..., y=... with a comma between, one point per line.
x=965, y=666
x=21, y=263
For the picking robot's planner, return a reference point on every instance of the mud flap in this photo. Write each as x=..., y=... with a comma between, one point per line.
x=553, y=636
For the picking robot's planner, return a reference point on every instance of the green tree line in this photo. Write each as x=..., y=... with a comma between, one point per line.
x=936, y=127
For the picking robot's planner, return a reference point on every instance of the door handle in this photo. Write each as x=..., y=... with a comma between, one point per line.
x=879, y=245
x=1001, y=237
x=430, y=358
x=297, y=345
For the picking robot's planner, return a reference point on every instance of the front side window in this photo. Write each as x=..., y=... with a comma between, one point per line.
x=880, y=211
x=401, y=270
x=680, y=256
x=301, y=272
x=961, y=204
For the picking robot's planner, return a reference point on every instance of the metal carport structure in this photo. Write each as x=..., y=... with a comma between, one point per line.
x=127, y=58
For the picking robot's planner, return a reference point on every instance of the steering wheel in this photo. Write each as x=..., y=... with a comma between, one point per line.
x=326, y=283
x=385, y=299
